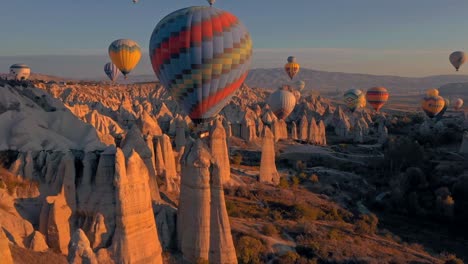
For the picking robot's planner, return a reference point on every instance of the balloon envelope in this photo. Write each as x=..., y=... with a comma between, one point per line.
x=125, y=54
x=352, y=99
x=457, y=59
x=282, y=103
x=111, y=71
x=300, y=85
x=432, y=92
x=432, y=105
x=292, y=69
x=20, y=71
x=211, y=2
x=377, y=97
x=444, y=109
x=202, y=56
x=458, y=103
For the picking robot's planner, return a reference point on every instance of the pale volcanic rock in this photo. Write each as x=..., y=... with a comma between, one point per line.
x=222, y=249
x=136, y=238
x=269, y=117
x=322, y=134
x=383, y=135
x=314, y=133
x=151, y=165
x=193, y=221
x=180, y=129
x=5, y=253
x=304, y=128
x=164, y=117
x=103, y=124
x=80, y=251
x=58, y=223
x=38, y=242
x=248, y=130
x=358, y=133
x=464, y=145
x=23, y=166
x=220, y=152
x=294, y=131
x=99, y=231
x=283, y=128
x=268, y=172
x=342, y=129
x=148, y=125
x=170, y=170
x=166, y=220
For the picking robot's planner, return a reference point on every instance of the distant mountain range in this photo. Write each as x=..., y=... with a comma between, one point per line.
x=329, y=81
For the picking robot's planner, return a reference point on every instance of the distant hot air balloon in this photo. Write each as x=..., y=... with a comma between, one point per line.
x=353, y=99
x=211, y=2
x=377, y=97
x=125, y=54
x=282, y=103
x=444, y=109
x=20, y=71
x=300, y=85
x=297, y=95
x=292, y=67
x=362, y=101
x=111, y=71
x=432, y=105
x=201, y=64
x=432, y=92
x=457, y=104
x=135, y=1
x=457, y=59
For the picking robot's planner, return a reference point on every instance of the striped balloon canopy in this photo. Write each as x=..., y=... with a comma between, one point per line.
x=300, y=85
x=202, y=56
x=282, y=103
x=125, y=54
x=292, y=67
x=353, y=99
x=377, y=97
x=432, y=105
x=111, y=71
x=20, y=71
x=457, y=104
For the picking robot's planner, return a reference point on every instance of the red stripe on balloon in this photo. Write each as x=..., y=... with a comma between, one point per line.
x=212, y=100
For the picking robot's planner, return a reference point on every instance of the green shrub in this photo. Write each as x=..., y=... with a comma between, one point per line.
x=295, y=181
x=249, y=250
x=335, y=234
x=283, y=183
x=289, y=257
x=269, y=230
x=367, y=224
x=307, y=212
x=314, y=178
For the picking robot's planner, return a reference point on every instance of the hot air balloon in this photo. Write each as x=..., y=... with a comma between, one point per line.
x=282, y=103
x=292, y=67
x=20, y=71
x=300, y=85
x=211, y=2
x=202, y=56
x=432, y=92
x=135, y=1
x=457, y=59
x=457, y=104
x=297, y=95
x=444, y=109
x=362, y=101
x=111, y=71
x=125, y=54
x=352, y=99
x=377, y=97
x=432, y=105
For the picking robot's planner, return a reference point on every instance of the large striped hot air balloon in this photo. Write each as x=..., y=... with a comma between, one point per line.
x=432, y=105
x=202, y=56
x=125, y=54
x=20, y=71
x=377, y=97
x=111, y=71
x=353, y=99
x=292, y=67
x=457, y=59
x=457, y=104
x=282, y=103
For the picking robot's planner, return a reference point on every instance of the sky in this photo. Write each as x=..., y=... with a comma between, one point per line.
x=399, y=37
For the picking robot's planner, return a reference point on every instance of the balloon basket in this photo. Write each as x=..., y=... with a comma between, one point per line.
x=200, y=130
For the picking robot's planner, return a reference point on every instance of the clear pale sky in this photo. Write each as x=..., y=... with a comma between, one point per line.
x=397, y=37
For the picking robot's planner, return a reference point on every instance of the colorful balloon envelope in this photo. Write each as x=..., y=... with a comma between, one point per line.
x=125, y=54
x=202, y=56
x=457, y=59
x=444, y=109
x=282, y=103
x=458, y=104
x=432, y=105
x=292, y=68
x=211, y=2
x=300, y=85
x=353, y=99
x=377, y=97
x=20, y=71
x=432, y=92
x=111, y=71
